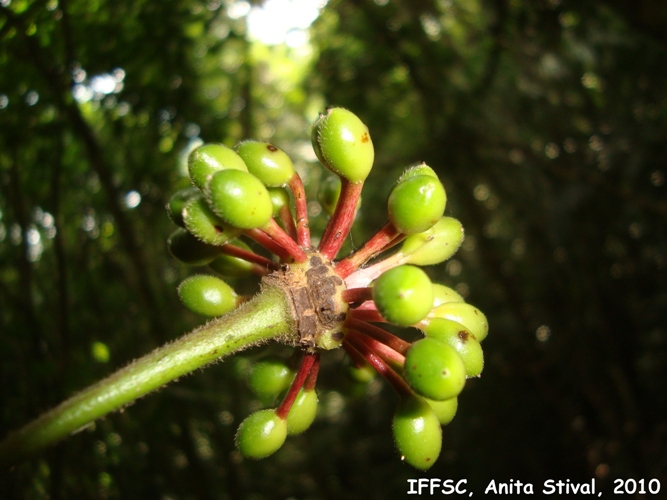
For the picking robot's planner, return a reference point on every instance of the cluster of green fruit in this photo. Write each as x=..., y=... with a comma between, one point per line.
x=253, y=191
x=265, y=431
x=427, y=374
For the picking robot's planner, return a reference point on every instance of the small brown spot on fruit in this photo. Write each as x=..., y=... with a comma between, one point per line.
x=271, y=148
x=463, y=335
x=365, y=138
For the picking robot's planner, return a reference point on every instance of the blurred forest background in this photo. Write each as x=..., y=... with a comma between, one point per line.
x=546, y=121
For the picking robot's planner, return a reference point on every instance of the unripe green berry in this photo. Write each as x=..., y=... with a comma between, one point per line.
x=416, y=204
x=233, y=267
x=208, y=159
x=279, y=199
x=434, y=369
x=343, y=144
x=188, y=249
x=464, y=342
x=240, y=199
x=421, y=169
x=403, y=295
x=241, y=367
x=207, y=295
x=469, y=316
x=443, y=294
x=200, y=220
x=329, y=193
x=435, y=245
x=417, y=432
x=444, y=410
x=267, y=162
x=178, y=201
x=303, y=412
x=363, y=374
x=261, y=434
x=270, y=377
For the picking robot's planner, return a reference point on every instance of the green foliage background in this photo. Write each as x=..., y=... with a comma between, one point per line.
x=546, y=122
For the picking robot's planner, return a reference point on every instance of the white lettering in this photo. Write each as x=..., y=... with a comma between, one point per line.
x=587, y=489
x=567, y=487
x=514, y=487
x=491, y=488
x=448, y=487
x=462, y=490
x=549, y=487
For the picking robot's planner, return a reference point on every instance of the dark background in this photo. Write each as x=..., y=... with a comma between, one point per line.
x=545, y=121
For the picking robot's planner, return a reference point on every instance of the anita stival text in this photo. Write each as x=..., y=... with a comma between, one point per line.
x=549, y=487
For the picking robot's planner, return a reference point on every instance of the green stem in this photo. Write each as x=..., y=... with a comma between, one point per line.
x=265, y=317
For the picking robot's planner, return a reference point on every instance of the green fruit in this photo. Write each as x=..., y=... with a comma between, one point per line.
x=464, y=342
x=208, y=159
x=403, y=295
x=329, y=193
x=240, y=367
x=444, y=410
x=443, y=294
x=207, y=295
x=469, y=316
x=240, y=199
x=188, y=249
x=416, y=204
x=421, y=169
x=233, y=267
x=303, y=412
x=268, y=163
x=435, y=245
x=434, y=369
x=417, y=432
x=270, y=377
x=178, y=201
x=363, y=374
x=279, y=199
x=200, y=220
x=343, y=144
x=261, y=434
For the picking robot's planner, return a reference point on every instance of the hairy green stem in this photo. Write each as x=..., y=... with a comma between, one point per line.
x=265, y=317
